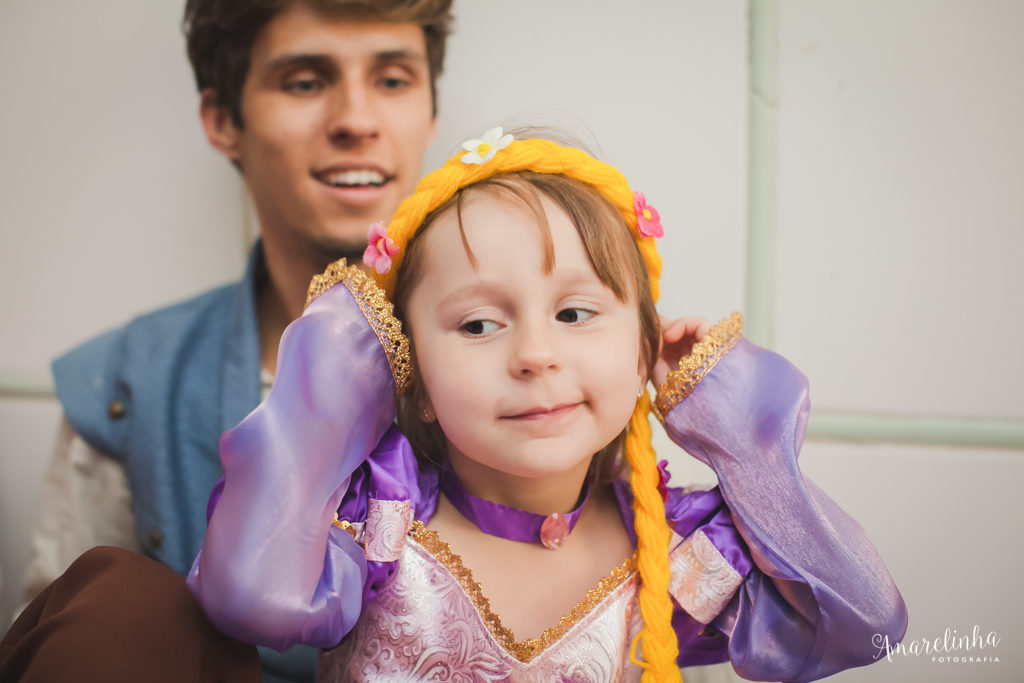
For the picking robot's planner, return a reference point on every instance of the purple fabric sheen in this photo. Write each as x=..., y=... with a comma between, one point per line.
x=698, y=645
x=389, y=473
x=211, y=503
x=270, y=572
x=821, y=592
x=686, y=512
x=707, y=511
x=423, y=488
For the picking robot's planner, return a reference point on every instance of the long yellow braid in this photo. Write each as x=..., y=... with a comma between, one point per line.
x=659, y=644
x=660, y=647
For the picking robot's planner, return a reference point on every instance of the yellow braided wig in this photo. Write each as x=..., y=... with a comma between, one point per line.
x=657, y=639
x=539, y=156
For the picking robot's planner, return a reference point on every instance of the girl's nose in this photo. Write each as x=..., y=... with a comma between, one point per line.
x=535, y=351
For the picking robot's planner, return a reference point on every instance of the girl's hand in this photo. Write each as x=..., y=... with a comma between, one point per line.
x=677, y=340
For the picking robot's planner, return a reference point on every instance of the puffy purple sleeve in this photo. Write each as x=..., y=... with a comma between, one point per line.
x=818, y=591
x=273, y=570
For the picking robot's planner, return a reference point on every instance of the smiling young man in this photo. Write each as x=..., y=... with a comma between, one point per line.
x=331, y=123
x=326, y=108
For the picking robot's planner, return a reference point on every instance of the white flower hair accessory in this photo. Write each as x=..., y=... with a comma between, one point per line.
x=483, y=150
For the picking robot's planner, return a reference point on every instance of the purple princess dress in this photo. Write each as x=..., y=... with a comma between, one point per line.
x=317, y=532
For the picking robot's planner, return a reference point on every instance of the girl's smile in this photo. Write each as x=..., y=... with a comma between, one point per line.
x=546, y=422
x=542, y=413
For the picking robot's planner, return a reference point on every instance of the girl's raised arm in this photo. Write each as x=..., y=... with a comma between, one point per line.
x=819, y=597
x=273, y=570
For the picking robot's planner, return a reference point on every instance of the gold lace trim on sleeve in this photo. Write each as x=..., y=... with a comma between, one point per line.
x=377, y=310
x=693, y=368
x=524, y=650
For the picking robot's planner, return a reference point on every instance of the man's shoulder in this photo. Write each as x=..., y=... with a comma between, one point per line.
x=172, y=319
x=90, y=378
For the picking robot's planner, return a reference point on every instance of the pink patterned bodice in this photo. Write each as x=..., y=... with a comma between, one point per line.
x=432, y=623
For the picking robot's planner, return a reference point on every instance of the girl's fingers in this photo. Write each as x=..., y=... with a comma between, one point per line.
x=674, y=330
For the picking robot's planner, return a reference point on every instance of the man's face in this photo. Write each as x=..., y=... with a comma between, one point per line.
x=337, y=114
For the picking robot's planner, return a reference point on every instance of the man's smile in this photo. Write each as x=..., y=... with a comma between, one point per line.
x=361, y=176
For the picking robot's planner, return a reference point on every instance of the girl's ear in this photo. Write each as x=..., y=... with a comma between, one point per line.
x=642, y=374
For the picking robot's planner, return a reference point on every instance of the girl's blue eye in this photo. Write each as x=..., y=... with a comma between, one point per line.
x=572, y=316
x=478, y=328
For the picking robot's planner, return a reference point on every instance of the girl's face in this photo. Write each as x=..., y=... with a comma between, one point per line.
x=528, y=373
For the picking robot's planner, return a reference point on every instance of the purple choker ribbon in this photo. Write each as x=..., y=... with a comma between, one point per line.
x=512, y=523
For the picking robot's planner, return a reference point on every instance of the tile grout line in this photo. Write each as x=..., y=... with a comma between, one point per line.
x=823, y=425
x=923, y=430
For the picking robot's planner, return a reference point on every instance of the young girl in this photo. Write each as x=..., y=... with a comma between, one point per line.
x=515, y=524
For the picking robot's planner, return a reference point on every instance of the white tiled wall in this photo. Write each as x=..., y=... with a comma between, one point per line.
x=110, y=200
x=901, y=204
x=899, y=235
x=898, y=231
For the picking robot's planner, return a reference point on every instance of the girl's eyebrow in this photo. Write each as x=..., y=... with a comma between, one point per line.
x=489, y=289
x=585, y=280
x=578, y=276
x=482, y=289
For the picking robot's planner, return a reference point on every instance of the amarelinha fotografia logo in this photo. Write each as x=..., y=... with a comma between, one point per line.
x=952, y=647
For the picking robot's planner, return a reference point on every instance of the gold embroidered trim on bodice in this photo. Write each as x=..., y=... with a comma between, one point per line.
x=524, y=650
x=377, y=310
x=706, y=353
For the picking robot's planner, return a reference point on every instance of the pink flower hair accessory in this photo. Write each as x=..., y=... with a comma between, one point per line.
x=648, y=220
x=380, y=249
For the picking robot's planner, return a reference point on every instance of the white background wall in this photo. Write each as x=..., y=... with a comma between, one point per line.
x=893, y=254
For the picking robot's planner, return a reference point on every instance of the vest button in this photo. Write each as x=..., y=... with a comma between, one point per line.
x=116, y=410
x=156, y=538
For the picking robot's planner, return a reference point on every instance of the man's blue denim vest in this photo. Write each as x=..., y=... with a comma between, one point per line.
x=156, y=395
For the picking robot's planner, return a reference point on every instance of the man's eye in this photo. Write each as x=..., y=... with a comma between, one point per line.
x=477, y=328
x=393, y=83
x=573, y=315
x=304, y=86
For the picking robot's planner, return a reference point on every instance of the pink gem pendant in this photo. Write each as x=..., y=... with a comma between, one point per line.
x=554, y=530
